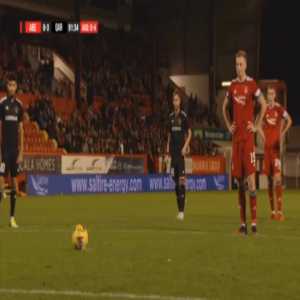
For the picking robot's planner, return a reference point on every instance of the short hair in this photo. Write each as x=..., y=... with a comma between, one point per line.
x=177, y=93
x=11, y=77
x=271, y=87
x=241, y=53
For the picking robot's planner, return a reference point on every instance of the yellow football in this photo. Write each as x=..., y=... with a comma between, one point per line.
x=80, y=237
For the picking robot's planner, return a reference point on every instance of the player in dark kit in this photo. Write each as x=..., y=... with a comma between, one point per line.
x=179, y=138
x=11, y=125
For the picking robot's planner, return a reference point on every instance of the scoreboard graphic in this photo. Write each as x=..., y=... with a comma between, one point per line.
x=41, y=27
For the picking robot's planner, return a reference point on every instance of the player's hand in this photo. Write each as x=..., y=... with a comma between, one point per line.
x=251, y=127
x=184, y=151
x=232, y=128
x=20, y=158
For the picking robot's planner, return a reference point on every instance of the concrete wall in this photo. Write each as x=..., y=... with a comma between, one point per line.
x=194, y=84
x=183, y=34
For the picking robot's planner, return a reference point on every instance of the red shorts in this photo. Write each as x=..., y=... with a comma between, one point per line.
x=272, y=162
x=243, y=158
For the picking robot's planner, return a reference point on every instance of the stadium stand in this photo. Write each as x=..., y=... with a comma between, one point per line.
x=124, y=115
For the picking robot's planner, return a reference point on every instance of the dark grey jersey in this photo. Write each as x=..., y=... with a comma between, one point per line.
x=178, y=129
x=11, y=114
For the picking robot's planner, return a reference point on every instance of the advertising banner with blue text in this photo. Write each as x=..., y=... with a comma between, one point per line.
x=90, y=184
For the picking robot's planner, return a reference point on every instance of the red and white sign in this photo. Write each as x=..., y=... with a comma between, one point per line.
x=198, y=165
x=89, y=27
x=33, y=27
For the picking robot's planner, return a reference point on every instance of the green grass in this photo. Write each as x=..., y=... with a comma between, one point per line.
x=137, y=246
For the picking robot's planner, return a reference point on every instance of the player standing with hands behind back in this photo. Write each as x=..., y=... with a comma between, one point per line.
x=11, y=129
x=242, y=96
x=179, y=138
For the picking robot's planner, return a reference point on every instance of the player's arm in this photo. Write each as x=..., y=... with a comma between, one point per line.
x=168, y=144
x=185, y=147
x=287, y=124
x=230, y=126
x=0, y=132
x=257, y=126
x=259, y=120
x=21, y=142
x=1, y=128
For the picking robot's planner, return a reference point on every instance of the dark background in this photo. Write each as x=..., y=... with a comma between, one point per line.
x=280, y=48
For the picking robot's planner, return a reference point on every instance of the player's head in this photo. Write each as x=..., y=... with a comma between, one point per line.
x=11, y=85
x=241, y=63
x=176, y=100
x=271, y=94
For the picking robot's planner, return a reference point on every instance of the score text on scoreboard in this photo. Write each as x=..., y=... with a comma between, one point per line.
x=40, y=27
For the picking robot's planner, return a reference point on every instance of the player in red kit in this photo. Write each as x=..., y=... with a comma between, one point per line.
x=241, y=97
x=276, y=123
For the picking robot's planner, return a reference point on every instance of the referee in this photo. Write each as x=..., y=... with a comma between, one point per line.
x=179, y=138
x=11, y=139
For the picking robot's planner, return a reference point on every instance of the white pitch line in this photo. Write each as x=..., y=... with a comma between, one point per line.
x=169, y=231
x=94, y=294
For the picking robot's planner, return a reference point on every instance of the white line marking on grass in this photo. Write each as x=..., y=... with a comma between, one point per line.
x=158, y=230
x=94, y=294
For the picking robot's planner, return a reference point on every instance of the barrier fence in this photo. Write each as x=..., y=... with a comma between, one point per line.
x=116, y=164
x=85, y=174
x=43, y=185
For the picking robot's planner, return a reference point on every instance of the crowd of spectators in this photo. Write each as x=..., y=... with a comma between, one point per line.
x=31, y=78
x=42, y=111
x=121, y=76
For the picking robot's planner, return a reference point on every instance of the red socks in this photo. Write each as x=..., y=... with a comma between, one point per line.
x=253, y=206
x=278, y=193
x=271, y=198
x=242, y=204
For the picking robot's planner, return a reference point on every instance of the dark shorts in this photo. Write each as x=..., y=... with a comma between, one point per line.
x=9, y=164
x=177, y=167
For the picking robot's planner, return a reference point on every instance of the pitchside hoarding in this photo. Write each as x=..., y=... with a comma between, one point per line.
x=43, y=185
x=212, y=134
x=49, y=164
x=196, y=165
x=103, y=164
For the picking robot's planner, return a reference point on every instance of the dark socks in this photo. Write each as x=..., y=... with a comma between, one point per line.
x=13, y=199
x=181, y=198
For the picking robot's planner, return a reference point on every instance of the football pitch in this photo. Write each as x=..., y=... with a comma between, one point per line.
x=138, y=250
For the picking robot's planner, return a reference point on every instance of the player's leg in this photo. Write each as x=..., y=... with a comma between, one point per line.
x=181, y=173
x=277, y=180
x=14, y=168
x=2, y=173
x=237, y=173
x=253, y=201
x=175, y=176
x=242, y=205
x=278, y=195
x=268, y=171
x=181, y=198
x=180, y=181
x=271, y=197
x=250, y=169
x=1, y=188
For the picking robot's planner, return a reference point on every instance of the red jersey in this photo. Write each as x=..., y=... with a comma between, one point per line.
x=242, y=96
x=272, y=124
